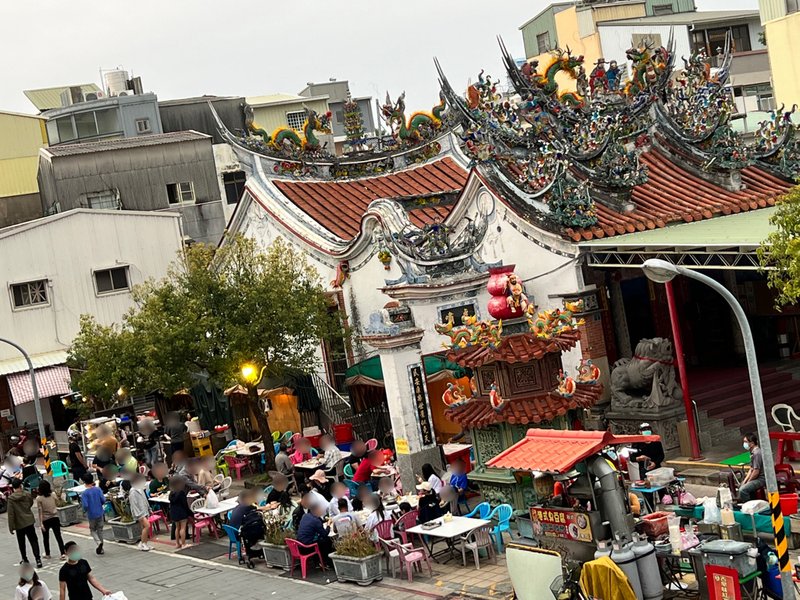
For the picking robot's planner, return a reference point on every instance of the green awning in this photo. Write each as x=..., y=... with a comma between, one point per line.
x=369, y=371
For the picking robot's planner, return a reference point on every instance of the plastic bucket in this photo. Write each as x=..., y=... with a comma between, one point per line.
x=789, y=504
x=314, y=440
x=343, y=433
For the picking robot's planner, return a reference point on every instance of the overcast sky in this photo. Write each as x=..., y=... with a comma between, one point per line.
x=249, y=47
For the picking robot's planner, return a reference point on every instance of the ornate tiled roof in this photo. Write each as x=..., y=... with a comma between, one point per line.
x=530, y=410
x=517, y=348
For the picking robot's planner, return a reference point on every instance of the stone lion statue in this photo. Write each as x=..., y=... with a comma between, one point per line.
x=648, y=379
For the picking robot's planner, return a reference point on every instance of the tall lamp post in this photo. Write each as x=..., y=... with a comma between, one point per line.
x=36, y=402
x=662, y=271
x=252, y=376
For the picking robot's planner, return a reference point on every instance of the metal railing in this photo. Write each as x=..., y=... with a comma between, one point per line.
x=331, y=401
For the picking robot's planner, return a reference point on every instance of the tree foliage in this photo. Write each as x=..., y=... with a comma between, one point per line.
x=780, y=252
x=215, y=310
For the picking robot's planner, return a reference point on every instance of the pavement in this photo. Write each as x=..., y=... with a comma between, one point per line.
x=165, y=575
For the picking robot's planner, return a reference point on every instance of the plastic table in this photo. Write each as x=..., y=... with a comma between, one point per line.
x=447, y=531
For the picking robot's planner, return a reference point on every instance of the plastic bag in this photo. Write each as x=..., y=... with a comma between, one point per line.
x=211, y=500
x=711, y=512
x=116, y=596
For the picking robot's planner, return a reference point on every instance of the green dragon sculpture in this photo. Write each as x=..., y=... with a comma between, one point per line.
x=648, y=65
x=561, y=61
x=284, y=136
x=419, y=124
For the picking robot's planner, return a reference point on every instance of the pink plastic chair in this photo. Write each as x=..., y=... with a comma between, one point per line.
x=296, y=554
x=200, y=520
x=237, y=464
x=154, y=518
x=371, y=444
x=410, y=557
x=405, y=522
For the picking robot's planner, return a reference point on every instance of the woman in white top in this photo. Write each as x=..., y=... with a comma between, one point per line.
x=28, y=580
x=429, y=475
x=377, y=515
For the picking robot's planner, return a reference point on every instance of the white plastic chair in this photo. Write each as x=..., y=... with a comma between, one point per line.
x=224, y=488
x=475, y=540
x=783, y=415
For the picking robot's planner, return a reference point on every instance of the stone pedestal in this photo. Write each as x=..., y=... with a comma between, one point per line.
x=663, y=423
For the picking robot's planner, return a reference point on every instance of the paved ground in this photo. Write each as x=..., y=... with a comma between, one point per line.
x=161, y=574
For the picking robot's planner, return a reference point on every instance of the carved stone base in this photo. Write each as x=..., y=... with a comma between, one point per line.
x=662, y=422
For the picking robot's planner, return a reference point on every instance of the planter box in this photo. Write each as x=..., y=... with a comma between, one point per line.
x=69, y=514
x=362, y=571
x=125, y=532
x=277, y=556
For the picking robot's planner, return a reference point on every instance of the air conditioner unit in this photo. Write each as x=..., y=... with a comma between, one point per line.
x=125, y=93
x=89, y=96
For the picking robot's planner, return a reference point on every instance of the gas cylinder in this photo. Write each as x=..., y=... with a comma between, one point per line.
x=625, y=559
x=647, y=565
x=603, y=549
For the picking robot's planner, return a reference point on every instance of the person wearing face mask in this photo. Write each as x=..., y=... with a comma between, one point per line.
x=649, y=455
x=76, y=576
x=754, y=480
x=30, y=586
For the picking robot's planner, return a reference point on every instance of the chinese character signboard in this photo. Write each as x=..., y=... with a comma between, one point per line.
x=421, y=404
x=565, y=524
x=723, y=583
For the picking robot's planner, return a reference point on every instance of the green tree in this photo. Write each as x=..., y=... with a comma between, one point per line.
x=216, y=310
x=780, y=252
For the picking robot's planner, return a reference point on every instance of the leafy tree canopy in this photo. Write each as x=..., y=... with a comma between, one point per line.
x=780, y=252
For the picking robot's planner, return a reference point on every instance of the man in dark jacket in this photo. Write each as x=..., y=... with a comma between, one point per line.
x=313, y=531
x=22, y=522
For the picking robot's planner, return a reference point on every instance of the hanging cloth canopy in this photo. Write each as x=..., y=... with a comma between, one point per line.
x=369, y=371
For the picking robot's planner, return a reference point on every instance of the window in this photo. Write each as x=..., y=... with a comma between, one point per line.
x=111, y=280
x=713, y=40
x=543, y=42
x=66, y=132
x=663, y=9
x=179, y=193
x=30, y=293
x=106, y=199
x=758, y=97
x=339, y=116
x=85, y=125
x=107, y=121
x=143, y=126
x=234, y=185
x=296, y=119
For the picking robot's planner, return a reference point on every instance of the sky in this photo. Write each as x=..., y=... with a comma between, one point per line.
x=184, y=48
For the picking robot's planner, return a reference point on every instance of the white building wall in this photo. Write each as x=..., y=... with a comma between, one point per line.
x=225, y=161
x=65, y=250
x=616, y=39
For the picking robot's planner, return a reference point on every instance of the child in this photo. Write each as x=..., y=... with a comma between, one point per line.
x=48, y=517
x=338, y=493
x=179, y=510
x=29, y=584
x=93, y=500
x=343, y=522
x=387, y=490
x=140, y=507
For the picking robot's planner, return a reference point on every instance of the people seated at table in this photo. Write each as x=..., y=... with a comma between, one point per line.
x=302, y=451
x=359, y=503
x=387, y=490
x=338, y=493
x=402, y=508
x=429, y=508
x=649, y=455
x=279, y=497
x=312, y=530
x=126, y=463
x=320, y=484
x=755, y=479
x=448, y=498
x=377, y=515
x=305, y=503
x=358, y=452
x=179, y=510
x=203, y=473
x=179, y=464
x=331, y=454
x=343, y=522
x=11, y=469
x=429, y=475
x=283, y=464
x=189, y=475
x=159, y=483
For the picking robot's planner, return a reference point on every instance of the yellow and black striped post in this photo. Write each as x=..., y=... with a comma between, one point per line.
x=781, y=542
x=46, y=454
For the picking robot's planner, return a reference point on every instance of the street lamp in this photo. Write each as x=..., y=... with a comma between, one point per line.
x=251, y=374
x=662, y=271
x=36, y=402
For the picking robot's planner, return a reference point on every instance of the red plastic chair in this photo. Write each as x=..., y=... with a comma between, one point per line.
x=237, y=464
x=296, y=554
x=411, y=557
x=405, y=522
x=200, y=520
x=154, y=518
x=372, y=444
x=384, y=531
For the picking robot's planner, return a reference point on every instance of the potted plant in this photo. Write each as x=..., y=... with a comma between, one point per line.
x=276, y=552
x=356, y=558
x=69, y=512
x=123, y=527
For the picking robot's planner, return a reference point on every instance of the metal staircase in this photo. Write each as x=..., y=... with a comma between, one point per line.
x=336, y=409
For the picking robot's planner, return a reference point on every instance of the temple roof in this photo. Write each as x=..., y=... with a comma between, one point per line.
x=522, y=347
x=538, y=408
x=339, y=205
x=672, y=194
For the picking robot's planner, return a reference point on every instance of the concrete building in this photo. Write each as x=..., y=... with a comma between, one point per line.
x=170, y=171
x=781, y=20
x=287, y=110
x=338, y=92
x=21, y=137
x=54, y=270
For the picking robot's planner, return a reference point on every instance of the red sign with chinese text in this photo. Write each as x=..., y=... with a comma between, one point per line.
x=566, y=524
x=723, y=583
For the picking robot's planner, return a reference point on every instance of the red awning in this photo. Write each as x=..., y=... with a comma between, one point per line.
x=557, y=451
x=50, y=381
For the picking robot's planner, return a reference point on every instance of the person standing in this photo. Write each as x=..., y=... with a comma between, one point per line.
x=755, y=479
x=22, y=522
x=30, y=587
x=140, y=507
x=179, y=510
x=147, y=440
x=649, y=455
x=93, y=501
x=48, y=517
x=76, y=576
x=76, y=458
x=175, y=433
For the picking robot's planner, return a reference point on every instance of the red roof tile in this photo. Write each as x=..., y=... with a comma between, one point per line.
x=558, y=451
x=522, y=347
x=673, y=194
x=339, y=205
x=539, y=408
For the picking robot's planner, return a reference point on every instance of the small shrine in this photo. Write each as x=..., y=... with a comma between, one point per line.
x=518, y=381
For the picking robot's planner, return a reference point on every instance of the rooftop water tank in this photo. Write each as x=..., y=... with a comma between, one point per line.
x=116, y=81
